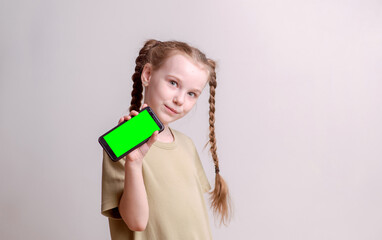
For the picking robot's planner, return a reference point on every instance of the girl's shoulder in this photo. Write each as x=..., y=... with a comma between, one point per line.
x=185, y=144
x=182, y=137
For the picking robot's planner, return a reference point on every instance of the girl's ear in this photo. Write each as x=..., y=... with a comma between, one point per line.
x=146, y=74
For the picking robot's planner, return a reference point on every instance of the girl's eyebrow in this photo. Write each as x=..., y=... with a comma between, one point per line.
x=195, y=89
x=169, y=75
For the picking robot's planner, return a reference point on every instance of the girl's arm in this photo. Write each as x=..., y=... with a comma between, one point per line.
x=133, y=206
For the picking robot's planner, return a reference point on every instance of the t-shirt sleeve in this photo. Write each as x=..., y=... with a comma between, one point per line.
x=113, y=175
x=203, y=180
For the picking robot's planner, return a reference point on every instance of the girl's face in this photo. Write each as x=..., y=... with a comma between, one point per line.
x=173, y=89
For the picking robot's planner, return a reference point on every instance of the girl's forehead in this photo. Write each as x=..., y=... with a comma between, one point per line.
x=185, y=68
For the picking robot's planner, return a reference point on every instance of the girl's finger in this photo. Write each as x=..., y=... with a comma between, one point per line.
x=152, y=139
x=143, y=106
x=124, y=118
x=133, y=113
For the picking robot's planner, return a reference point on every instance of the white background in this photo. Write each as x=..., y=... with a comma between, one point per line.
x=298, y=111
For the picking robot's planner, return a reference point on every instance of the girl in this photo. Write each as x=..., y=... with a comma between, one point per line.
x=156, y=191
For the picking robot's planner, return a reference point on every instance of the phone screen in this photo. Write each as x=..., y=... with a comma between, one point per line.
x=131, y=133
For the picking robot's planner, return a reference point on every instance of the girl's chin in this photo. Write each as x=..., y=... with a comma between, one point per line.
x=164, y=120
x=167, y=120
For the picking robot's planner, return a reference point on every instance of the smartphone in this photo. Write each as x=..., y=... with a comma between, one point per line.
x=131, y=134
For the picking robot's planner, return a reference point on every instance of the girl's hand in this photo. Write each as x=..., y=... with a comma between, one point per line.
x=135, y=157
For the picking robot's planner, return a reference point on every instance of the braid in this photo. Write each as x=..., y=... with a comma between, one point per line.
x=140, y=62
x=220, y=199
x=212, y=140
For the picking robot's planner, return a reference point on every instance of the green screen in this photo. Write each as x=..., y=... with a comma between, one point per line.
x=131, y=133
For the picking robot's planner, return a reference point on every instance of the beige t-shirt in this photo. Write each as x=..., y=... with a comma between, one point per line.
x=175, y=182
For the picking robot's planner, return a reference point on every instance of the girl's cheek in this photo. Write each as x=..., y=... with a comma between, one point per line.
x=190, y=105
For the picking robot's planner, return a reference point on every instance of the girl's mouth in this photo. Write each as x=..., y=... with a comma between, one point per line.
x=171, y=110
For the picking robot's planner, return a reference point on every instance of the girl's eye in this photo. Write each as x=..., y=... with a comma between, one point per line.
x=171, y=82
x=193, y=94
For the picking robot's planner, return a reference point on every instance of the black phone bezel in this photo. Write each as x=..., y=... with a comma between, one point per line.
x=108, y=150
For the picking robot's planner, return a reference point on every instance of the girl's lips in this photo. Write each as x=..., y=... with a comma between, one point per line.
x=172, y=110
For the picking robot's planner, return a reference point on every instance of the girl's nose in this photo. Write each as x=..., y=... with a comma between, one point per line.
x=179, y=99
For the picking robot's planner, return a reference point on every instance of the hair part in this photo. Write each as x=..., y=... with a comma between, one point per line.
x=156, y=52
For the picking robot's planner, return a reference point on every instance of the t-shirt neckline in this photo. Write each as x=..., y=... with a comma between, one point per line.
x=167, y=145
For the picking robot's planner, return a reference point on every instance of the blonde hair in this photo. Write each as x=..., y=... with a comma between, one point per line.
x=156, y=52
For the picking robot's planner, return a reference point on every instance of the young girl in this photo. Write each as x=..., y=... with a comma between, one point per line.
x=156, y=191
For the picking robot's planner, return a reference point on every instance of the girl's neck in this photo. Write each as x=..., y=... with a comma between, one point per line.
x=166, y=135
